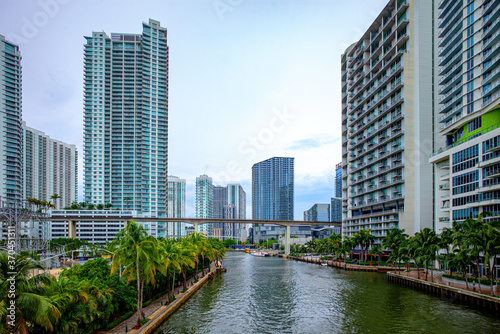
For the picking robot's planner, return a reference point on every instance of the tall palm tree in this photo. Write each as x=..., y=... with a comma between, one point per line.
x=489, y=240
x=445, y=241
x=127, y=201
x=427, y=242
x=467, y=236
x=34, y=308
x=200, y=246
x=137, y=252
x=365, y=239
x=395, y=240
x=173, y=258
x=188, y=258
x=55, y=197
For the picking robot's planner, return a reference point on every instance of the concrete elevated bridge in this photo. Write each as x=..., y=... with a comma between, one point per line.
x=73, y=219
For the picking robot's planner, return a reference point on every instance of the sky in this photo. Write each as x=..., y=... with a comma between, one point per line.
x=248, y=80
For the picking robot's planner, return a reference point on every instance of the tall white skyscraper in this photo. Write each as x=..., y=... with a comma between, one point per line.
x=49, y=167
x=467, y=163
x=125, y=119
x=204, y=202
x=10, y=123
x=176, y=208
x=388, y=114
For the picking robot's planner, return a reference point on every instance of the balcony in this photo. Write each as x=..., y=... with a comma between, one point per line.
x=444, y=165
x=445, y=186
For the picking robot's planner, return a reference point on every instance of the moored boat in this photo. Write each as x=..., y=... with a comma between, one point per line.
x=261, y=254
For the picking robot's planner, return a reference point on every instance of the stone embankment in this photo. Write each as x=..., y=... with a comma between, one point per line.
x=340, y=265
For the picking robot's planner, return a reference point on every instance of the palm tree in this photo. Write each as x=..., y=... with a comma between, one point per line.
x=55, y=197
x=137, y=252
x=188, y=258
x=173, y=258
x=427, y=243
x=395, y=240
x=489, y=241
x=127, y=201
x=34, y=308
x=377, y=250
x=446, y=240
x=467, y=236
x=200, y=246
x=365, y=239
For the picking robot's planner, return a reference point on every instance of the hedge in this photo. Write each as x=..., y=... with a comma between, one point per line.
x=120, y=319
x=485, y=281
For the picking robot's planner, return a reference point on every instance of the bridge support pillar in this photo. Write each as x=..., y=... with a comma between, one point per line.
x=287, y=240
x=71, y=229
x=196, y=230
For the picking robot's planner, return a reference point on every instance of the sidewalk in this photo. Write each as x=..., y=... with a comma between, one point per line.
x=128, y=324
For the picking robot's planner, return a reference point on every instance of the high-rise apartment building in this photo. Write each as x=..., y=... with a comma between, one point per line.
x=318, y=213
x=50, y=167
x=273, y=195
x=205, y=202
x=338, y=180
x=387, y=122
x=219, y=202
x=230, y=203
x=467, y=165
x=11, y=173
x=336, y=209
x=273, y=189
x=125, y=119
x=176, y=208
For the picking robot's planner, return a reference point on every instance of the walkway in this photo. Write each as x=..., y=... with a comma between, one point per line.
x=127, y=325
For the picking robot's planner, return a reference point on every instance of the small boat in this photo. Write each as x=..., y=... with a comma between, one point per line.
x=324, y=264
x=261, y=254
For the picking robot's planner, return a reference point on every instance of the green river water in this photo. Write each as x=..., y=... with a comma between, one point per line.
x=275, y=295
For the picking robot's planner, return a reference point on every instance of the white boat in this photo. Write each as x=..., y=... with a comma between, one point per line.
x=261, y=254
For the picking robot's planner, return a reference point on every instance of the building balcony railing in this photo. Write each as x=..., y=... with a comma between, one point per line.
x=491, y=128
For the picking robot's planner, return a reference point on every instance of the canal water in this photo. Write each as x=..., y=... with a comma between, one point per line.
x=274, y=295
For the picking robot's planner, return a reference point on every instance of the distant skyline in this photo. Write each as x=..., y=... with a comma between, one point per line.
x=249, y=80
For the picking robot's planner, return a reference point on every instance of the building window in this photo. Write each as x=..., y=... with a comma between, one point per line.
x=475, y=124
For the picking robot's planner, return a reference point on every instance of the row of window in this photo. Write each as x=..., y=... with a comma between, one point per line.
x=466, y=154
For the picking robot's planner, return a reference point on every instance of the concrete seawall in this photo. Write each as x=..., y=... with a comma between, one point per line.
x=157, y=318
x=341, y=265
x=448, y=293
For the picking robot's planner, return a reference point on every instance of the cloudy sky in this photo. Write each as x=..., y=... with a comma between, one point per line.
x=249, y=80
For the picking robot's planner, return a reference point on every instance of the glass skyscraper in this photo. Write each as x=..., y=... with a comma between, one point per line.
x=273, y=196
x=338, y=180
x=125, y=119
x=10, y=123
x=205, y=202
x=176, y=208
x=273, y=189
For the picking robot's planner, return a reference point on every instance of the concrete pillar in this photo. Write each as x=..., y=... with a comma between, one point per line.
x=71, y=229
x=195, y=227
x=287, y=240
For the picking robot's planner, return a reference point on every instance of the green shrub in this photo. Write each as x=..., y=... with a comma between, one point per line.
x=143, y=321
x=485, y=281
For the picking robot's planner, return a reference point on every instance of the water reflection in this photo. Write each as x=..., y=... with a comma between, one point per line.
x=272, y=295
